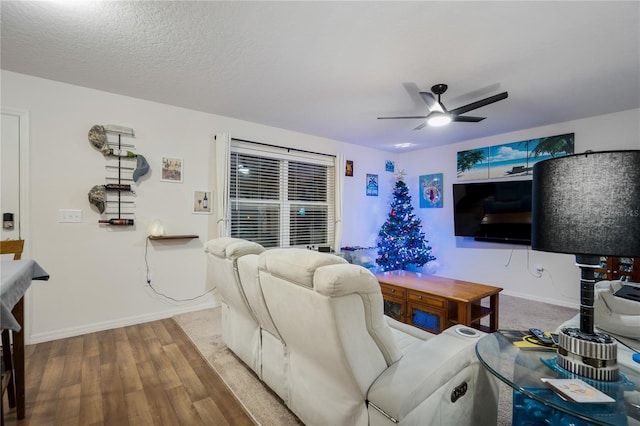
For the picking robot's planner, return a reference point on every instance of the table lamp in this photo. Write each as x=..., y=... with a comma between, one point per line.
x=588, y=205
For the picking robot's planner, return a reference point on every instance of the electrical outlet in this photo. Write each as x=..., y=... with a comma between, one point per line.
x=69, y=216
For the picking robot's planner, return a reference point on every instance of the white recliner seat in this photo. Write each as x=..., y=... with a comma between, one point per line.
x=612, y=314
x=615, y=314
x=240, y=327
x=273, y=351
x=345, y=365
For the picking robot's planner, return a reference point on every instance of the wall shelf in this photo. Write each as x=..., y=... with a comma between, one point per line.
x=173, y=237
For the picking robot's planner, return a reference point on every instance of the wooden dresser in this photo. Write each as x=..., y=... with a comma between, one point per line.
x=436, y=303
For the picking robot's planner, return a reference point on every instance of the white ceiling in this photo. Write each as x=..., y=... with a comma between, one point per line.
x=330, y=68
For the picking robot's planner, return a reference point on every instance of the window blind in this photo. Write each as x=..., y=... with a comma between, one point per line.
x=281, y=198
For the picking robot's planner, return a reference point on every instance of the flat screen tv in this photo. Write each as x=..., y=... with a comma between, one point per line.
x=493, y=211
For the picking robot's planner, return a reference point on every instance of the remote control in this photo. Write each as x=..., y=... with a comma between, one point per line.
x=541, y=336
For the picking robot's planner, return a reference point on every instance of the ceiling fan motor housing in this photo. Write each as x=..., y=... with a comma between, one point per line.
x=439, y=89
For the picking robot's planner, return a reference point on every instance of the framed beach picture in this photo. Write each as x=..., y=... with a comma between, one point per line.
x=473, y=164
x=509, y=159
x=202, y=202
x=172, y=169
x=431, y=195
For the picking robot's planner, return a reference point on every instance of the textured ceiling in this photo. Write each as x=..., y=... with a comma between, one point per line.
x=331, y=68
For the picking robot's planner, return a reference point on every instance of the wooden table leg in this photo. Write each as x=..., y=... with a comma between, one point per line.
x=18, y=358
x=464, y=313
x=494, y=301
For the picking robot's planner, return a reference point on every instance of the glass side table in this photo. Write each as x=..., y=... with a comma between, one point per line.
x=536, y=404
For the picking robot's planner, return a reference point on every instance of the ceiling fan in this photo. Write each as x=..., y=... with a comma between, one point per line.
x=440, y=116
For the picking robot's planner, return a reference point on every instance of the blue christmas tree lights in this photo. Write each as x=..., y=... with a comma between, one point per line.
x=401, y=242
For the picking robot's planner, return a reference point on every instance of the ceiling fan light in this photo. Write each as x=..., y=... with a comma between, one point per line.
x=438, y=119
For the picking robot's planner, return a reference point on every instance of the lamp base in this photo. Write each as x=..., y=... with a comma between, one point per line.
x=591, y=355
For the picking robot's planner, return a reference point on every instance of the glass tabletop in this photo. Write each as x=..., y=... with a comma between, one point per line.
x=523, y=369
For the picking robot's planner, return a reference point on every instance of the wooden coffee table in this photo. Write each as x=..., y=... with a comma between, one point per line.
x=436, y=303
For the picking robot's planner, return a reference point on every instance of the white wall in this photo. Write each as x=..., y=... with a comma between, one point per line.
x=98, y=274
x=508, y=266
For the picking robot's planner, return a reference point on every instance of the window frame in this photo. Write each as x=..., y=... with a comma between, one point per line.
x=284, y=156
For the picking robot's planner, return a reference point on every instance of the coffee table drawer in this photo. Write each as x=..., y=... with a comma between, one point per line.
x=427, y=300
x=391, y=291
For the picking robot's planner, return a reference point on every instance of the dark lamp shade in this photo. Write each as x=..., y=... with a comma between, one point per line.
x=587, y=204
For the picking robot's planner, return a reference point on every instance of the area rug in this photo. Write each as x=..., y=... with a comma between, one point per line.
x=204, y=329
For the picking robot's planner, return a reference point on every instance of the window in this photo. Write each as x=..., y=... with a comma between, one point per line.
x=281, y=198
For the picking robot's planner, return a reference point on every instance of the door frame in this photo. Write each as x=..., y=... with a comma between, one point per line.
x=24, y=201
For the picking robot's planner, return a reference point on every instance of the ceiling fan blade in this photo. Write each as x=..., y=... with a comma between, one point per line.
x=395, y=118
x=479, y=104
x=421, y=125
x=467, y=119
x=429, y=99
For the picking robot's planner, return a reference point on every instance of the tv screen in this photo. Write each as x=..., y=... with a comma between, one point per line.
x=493, y=211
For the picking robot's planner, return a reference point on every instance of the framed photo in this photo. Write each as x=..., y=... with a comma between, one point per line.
x=349, y=169
x=172, y=169
x=372, y=185
x=389, y=166
x=202, y=202
x=431, y=195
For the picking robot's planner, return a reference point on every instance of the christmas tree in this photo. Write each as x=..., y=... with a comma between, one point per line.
x=401, y=241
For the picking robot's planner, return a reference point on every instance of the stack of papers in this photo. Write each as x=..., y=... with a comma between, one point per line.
x=575, y=390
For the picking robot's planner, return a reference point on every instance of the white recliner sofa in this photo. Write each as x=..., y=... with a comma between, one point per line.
x=333, y=357
x=240, y=327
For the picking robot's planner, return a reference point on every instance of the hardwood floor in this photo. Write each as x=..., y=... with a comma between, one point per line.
x=145, y=374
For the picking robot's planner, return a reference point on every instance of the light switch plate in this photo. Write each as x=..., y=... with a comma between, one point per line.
x=69, y=216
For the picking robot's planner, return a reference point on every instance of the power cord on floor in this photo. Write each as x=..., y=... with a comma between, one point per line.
x=146, y=262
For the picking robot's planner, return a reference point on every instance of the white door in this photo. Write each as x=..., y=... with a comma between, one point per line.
x=14, y=164
x=10, y=167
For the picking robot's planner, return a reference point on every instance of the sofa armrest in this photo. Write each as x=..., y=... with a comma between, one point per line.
x=422, y=371
x=416, y=332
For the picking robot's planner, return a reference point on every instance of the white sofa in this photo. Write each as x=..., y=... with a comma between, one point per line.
x=612, y=314
x=326, y=348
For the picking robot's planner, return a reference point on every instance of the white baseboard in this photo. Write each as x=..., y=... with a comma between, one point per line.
x=121, y=322
x=566, y=304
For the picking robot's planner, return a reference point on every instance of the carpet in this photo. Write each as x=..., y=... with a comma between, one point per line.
x=204, y=329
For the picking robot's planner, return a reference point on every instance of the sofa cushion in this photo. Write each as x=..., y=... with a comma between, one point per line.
x=341, y=279
x=232, y=248
x=296, y=265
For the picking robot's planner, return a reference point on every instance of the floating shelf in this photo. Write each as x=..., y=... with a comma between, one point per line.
x=173, y=237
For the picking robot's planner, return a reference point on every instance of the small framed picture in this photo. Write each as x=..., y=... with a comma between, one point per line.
x=349, y=169
x=172, y=169
x=431, y=195
x=372, y=185
x=389, y=166
x=202, y=202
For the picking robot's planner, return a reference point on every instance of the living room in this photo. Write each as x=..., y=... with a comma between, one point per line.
x=99, y=274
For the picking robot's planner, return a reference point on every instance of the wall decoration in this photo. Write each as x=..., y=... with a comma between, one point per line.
x=512, y=159
x=473, y=164
x=349, y=169
x=114, y=198
x=431, y=195
x=508, y=159
x=372, y=185
x=202, y=202
x=172, y=169
x=389, y=166
x=550, y=147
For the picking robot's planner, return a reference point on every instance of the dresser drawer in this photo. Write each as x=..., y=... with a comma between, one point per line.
x=427, y=300
x=391, y=291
